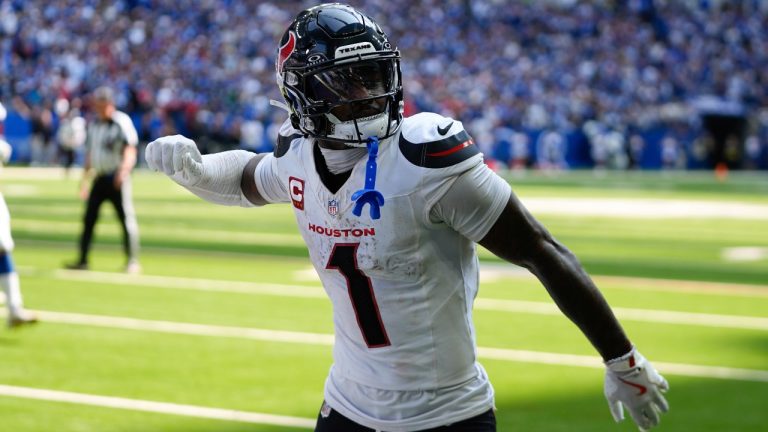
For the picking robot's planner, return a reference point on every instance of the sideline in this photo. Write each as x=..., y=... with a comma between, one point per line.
x=156, y=407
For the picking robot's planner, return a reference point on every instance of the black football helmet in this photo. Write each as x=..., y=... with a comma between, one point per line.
x=340, y=76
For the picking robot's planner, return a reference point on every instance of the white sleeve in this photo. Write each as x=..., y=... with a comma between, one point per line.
x=473, y=203
x=268, y=181
x=220, y=181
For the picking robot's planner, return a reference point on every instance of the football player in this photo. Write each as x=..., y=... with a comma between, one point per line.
x=391, y=209
x=9, y=279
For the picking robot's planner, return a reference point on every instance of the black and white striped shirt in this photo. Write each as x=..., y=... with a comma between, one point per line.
x=106, y=139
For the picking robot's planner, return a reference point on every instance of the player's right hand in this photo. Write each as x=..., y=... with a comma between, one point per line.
x=178, y=157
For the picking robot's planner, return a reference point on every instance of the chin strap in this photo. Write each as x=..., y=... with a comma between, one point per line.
x=281, y=105
x=369, y=195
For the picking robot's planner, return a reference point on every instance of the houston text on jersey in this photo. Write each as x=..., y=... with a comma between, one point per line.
x=342, y=232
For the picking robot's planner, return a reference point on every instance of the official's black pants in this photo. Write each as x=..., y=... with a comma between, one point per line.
x=104, y=189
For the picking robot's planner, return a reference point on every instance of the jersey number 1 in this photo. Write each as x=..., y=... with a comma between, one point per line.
x=344, y=259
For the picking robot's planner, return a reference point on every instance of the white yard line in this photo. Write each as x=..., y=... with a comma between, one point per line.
x=539, y=308
x=736, y=374
x=497, y=272
x=646, y=208
x=156, y=407
x=488, y=273
x=236, y=237
x=745, y=253
x=752, y=375
x=685, y=286
x=631, y=314
x=187, y=328
x=195, y=284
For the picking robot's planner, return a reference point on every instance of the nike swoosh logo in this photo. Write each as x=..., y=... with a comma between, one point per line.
x=444, y=130
x=642, y=388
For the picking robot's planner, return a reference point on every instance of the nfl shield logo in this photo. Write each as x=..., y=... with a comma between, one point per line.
x=333, y=207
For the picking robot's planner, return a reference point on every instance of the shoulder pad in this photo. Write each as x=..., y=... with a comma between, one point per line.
x=432, y=141
x=284, y=138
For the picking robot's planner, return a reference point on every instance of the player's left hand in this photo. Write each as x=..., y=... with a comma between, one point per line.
x=631, y=381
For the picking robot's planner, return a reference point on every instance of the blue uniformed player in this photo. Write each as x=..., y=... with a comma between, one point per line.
x=9, y=278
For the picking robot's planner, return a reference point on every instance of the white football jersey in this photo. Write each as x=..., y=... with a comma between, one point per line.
x=402, y=286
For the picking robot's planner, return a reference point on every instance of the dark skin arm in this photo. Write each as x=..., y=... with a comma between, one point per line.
x=248, y=182
x=520, y=239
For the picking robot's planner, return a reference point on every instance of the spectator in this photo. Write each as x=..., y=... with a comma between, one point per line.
x=70, y=135
x=550, y=61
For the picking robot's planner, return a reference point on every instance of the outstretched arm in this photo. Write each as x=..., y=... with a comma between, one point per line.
x=220, y=178
x=630, y=380
x=519, y=238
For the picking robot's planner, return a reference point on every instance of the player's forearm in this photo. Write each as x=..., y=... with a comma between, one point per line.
x=215, y=177
x=578, y=298
x=220, y=182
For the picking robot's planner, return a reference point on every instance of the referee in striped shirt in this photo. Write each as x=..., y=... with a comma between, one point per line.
x=110, y=147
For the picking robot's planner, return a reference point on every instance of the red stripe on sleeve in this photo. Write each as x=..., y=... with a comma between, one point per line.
x=452, y=150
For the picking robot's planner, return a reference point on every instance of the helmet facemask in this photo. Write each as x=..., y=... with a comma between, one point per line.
x=347, y=101
x=340, y=76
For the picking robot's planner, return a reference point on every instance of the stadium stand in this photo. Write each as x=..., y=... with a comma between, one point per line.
x=554, y=84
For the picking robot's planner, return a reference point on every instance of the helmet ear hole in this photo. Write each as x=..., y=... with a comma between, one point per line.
x=333, y=55
x=291, y=78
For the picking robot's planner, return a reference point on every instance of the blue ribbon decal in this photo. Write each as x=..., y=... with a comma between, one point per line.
x=369, y=195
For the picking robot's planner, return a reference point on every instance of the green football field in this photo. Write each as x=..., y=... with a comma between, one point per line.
x=227, y=329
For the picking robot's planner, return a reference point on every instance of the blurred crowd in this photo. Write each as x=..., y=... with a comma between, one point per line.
x=550, y=84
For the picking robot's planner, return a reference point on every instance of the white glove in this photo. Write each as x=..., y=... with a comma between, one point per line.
x=214, y=178
x=631, y=381
x=178, y=157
